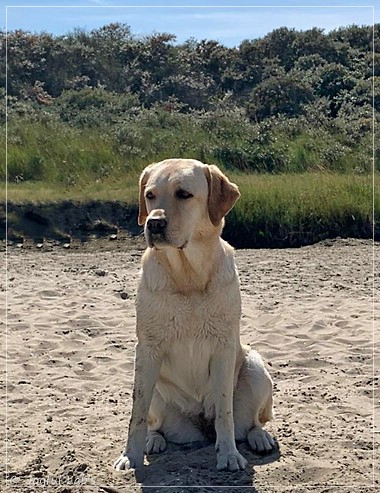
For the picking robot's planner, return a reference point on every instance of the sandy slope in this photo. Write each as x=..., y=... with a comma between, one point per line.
x=70, y=366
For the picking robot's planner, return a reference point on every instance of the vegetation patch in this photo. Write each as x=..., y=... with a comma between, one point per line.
x=289, y=116
x=273, y=211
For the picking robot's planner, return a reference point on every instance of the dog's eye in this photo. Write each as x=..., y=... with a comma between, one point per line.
x=149, y=196
x=182, y=194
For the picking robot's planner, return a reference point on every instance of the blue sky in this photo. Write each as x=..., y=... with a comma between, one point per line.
x=207, y=19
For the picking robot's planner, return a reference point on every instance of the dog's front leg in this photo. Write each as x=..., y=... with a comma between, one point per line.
x=147, y=369
x=222, y=368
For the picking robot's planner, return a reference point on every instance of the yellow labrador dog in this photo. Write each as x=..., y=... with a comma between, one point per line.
x=191, y=370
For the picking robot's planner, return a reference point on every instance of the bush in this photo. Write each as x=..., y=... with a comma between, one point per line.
x=90, y=107
x=278, y=94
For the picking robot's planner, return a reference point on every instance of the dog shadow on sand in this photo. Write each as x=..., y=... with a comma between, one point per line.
x=192, y=468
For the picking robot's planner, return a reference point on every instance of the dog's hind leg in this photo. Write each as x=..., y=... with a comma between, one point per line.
x=180, y=428
x=167, y=423
x=253, y=404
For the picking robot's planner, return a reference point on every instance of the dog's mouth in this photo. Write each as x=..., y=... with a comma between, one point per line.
x=183, y=246
x=160, y=241
x=156, y=240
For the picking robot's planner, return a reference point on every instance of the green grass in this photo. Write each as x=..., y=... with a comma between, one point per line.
x=65, y=156
x=59, y=154
x=273, y=211
x=110, y=189
x=51, y=162
x=300, y=209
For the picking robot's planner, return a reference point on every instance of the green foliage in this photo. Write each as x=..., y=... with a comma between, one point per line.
x=273, y=211
x=55, y=153
x=156, y=68
x=278, y=95
x=296, y=210
x=289, y=116
x=92, y=105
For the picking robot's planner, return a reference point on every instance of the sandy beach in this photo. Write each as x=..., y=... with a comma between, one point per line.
x=70, y=344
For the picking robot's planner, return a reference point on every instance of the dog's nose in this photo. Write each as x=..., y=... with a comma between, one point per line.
x=157, y=226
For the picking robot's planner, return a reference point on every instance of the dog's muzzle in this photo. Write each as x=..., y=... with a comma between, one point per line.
x=157, y=226
x=155, y=231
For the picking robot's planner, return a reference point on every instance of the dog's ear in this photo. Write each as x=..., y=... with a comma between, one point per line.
x=222, y=194
x=143, y=213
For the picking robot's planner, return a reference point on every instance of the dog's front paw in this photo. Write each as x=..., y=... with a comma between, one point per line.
x=125, y=462
x=133, y=455
x=155, y=443
x=260, y=440
x=232, y=461
x=129, y=461
x=122, y=463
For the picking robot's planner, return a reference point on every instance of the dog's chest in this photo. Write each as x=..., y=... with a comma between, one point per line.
x=186, y=364
x=166, y=317
x=193, y=316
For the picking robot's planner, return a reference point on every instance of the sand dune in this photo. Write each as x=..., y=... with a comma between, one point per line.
x=70, y=344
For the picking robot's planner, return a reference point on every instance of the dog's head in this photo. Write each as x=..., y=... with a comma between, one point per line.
x=183, y=199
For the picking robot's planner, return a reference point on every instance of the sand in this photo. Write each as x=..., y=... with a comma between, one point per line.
x=70, y=346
